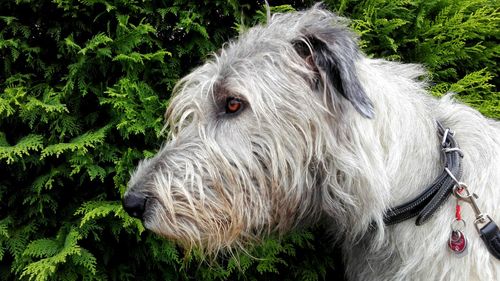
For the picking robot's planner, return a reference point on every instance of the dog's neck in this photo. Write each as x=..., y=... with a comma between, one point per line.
x=405, y=132
x=402, y=137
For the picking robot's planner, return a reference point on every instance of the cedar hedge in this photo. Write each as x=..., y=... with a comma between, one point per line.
x=83, y=88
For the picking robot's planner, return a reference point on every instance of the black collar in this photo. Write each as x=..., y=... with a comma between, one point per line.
x=426, y=204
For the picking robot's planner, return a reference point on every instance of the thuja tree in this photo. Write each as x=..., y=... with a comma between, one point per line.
x=83, y=88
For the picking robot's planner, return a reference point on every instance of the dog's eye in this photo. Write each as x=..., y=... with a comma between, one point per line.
x=233, y=105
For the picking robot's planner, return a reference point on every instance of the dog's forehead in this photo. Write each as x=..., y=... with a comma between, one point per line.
x=260, y=39
x=250, y=53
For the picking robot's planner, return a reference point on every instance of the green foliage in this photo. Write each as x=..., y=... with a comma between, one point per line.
x=83, y=88
x=457, y=41
x=50, y=253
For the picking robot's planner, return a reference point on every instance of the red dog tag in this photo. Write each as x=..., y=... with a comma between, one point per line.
x=458, y=243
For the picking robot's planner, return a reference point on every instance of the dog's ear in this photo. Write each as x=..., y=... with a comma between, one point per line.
x=332, y=52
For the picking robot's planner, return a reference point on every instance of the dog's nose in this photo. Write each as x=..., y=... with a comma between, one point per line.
x=134, y=204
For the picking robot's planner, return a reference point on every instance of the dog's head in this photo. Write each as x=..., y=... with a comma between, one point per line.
x=252, y=133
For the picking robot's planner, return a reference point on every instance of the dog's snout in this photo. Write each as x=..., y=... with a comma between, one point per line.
x=134, y=204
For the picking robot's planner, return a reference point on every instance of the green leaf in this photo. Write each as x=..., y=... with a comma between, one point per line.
x=81, y=144
x=21, y=148
x=96, y=41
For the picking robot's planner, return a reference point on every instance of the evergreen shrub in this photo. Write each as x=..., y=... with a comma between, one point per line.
x=83, y=88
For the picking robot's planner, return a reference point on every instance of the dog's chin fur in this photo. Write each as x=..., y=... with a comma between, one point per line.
x=311, y=142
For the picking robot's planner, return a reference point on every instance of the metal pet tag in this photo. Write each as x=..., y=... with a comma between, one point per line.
x=457, y=243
